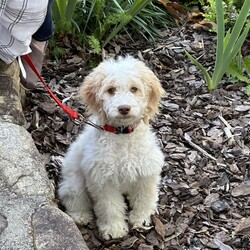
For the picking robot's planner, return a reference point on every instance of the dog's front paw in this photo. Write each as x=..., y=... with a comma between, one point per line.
x=113, y=230
x=81, y=217
x=139, y=220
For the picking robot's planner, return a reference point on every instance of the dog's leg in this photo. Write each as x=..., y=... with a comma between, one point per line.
x=74, y=197
x=110, y=210
x=143, y=197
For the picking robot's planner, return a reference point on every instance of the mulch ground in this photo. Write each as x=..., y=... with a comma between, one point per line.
x=204, y=200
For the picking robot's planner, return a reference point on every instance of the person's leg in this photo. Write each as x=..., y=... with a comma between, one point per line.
x=45, y=32
x=19, y=20
x=38, y=46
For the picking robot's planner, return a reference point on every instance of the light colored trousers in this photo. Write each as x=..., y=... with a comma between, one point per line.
x=19, y=20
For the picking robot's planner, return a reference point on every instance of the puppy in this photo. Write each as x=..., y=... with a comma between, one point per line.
x=121, y=159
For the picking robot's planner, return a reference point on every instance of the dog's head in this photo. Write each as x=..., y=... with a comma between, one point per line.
x=122, y=91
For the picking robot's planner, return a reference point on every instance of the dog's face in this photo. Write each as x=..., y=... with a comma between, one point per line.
x=123, y=100
x=122, y=92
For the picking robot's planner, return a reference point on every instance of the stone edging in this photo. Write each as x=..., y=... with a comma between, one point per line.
x=29, y=218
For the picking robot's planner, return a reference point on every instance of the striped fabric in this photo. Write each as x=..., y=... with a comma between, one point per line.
x=19, y=20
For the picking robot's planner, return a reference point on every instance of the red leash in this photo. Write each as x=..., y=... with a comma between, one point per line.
x=72, y=114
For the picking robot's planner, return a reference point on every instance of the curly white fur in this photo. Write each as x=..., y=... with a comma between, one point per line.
x=101, y=166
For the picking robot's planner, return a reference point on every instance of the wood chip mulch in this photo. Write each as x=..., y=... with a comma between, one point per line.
x=204, y=200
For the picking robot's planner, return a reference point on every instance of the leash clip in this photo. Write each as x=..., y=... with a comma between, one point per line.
x=79, y=120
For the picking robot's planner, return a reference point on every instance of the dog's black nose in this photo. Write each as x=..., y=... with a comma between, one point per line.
x=124, y=109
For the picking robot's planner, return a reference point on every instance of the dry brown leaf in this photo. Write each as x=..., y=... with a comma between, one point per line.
x=145, y=247
x=128, y=243
x=196, y=16
x=48, y=107
x=74, y=60
x=153, y=238
x=205, y=25
x=175, y=10
x=221, y=245
x=159, y=227
x=241, y=190
x=243, y=228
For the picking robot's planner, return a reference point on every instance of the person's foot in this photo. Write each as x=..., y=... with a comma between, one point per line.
x=37, y=56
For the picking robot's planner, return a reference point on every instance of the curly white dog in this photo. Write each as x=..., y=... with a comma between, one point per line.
x=123, y=158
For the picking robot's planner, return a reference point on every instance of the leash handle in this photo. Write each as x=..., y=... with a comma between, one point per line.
x=73, y=114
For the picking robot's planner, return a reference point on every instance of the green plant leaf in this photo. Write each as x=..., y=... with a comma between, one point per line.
x=238, y=26
x=62, y=4
x=70, y=9
x=248, y=90
x=227, y=46
x=94, y=44
x=117, y=29
x=247, y=65
x=220, y=37
x=225, y=41
x=56, y=13
x=228, y=57
x=89, y=15
x=137, y=6
x=75, y=25
x=234, y=71
x=203, y=70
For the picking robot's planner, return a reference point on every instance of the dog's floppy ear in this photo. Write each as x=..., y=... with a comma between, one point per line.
x=154, y=92
x=89, y=91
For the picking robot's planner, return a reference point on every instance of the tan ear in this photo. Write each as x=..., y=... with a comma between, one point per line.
x=154, y=93
x=89, y=92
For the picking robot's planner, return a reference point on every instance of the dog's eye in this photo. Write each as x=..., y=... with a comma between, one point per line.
x=111, y=91
x=133, y=89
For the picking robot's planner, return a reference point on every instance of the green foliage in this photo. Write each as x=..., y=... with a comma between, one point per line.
x=194, y=2
x=104, y=20
x=210, y=10
x=94, y=44
x=96, y=22
x=148, y=23
x=133, y=10
x=230, y=11
x=239, y=69
x=62, y=13
x=227, y=45
x=56, y=51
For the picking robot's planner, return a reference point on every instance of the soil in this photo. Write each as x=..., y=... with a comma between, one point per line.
x=204, y=200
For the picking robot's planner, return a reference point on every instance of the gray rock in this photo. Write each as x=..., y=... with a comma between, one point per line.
x=3, y=223
x=11, y=93
x=22, y=171
x=49, y=226
x=29, y=219
x=18, y=214
x=220, y=206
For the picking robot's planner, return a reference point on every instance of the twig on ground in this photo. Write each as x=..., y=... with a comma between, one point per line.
x=228, y=127
x=189, y=140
